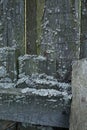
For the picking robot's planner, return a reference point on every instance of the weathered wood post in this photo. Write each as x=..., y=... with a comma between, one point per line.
x=78, y=120
x=11, y=38
x=83, y=53
x=60, y=37
x=12, y=24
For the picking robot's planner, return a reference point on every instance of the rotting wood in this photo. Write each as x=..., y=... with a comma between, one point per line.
x=78, y=118
x=7, y=125
x=31, y=26
x=8, y=73
x=45, y=111
x=60, y=35
x=34, y=109
x=12, y=24
x=83, y=53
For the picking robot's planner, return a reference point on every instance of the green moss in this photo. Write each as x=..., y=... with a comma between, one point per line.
x=40, y=10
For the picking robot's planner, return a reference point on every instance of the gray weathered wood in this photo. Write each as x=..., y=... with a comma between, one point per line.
x=83, y=53
x=32, y=64
x=32, y=108
x=78, y=120
x=8, y=73
x=61, y=34
x=31, y=26
x=30, y=127
x=12, y=24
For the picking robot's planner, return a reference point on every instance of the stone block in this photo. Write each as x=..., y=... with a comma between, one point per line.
x=78, y=119
x=7, y=65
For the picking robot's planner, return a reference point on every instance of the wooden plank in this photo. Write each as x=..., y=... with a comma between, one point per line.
x=12, y=24
x=83, y=53
x=32, y=64
x=8, y=73
x=60, y=33
x=78, y=119
x=28, y=107
x=30, y=127
x=40, y=13
x=2, y=15
x=31, y=26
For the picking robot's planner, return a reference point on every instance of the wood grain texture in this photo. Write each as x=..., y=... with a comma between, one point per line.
x=78, y=119
x=60, y=35
x=12, y=24
x=33, y=109
x=83, y=53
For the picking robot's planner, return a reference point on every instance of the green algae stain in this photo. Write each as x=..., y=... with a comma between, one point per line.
x=40, y=10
